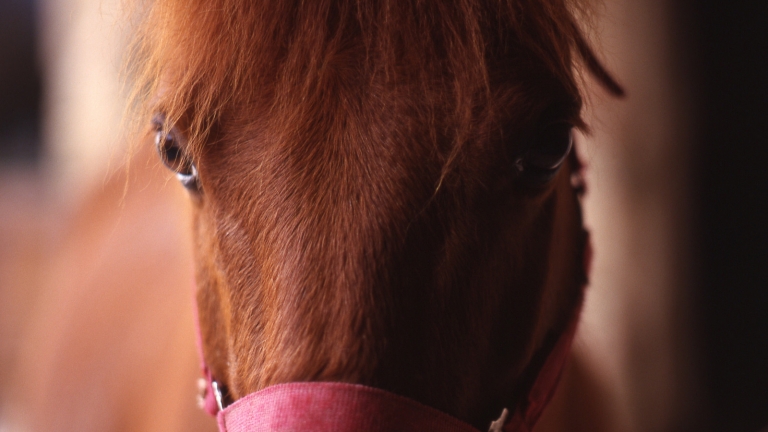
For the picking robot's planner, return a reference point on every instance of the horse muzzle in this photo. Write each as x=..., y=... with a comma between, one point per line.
x=342, y=407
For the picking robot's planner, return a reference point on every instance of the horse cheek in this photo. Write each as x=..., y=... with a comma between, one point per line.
x=212, y=301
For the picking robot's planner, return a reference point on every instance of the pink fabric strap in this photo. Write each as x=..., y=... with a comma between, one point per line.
x=526, y=416
x=333, y=406
x=207, y=398
x=329, y=406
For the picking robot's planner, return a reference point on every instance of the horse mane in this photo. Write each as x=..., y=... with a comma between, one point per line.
x=199, y=60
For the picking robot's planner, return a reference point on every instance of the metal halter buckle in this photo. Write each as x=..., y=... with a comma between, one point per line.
x=217, y=395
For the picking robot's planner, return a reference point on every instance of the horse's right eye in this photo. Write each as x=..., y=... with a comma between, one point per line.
x=542, y=160
x=175, y=158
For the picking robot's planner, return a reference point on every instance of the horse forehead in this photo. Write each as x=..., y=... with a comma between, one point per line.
x=321, y=182
x=376, y=132
x=349, y=148
x=376, y=147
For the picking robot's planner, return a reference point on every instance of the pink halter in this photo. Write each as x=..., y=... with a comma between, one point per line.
x=332, y=406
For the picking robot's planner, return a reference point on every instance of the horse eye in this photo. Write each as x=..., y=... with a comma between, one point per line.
x=542, y=160
x=175, y=158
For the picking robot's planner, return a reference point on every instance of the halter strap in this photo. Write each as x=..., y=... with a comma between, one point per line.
x=543, y=389
x=332, y=406
x=208, y=397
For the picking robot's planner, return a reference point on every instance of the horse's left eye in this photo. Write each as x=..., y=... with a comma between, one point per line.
x=542, y=160
x=175, y=158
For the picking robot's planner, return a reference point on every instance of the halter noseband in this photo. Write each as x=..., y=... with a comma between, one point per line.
x=332, y=406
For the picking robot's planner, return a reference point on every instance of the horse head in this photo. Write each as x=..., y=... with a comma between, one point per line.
x=384, y=192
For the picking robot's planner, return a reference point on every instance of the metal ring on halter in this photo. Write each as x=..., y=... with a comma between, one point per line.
x=217, y=394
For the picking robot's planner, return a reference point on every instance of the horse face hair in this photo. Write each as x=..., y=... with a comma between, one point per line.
x=361, y=218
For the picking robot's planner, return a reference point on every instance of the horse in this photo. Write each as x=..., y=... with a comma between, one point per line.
x=386, y=212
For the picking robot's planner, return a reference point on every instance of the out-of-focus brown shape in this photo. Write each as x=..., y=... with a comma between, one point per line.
x=24, y=234
x=634, y=368
x=110, y=345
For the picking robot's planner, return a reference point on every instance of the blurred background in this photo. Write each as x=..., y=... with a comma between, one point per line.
x=95, y=275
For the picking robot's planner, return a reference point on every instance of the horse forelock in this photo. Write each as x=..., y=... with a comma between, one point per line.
x=223, y=55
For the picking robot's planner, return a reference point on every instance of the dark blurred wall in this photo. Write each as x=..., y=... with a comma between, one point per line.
x=728, y=57
x=19, y=82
